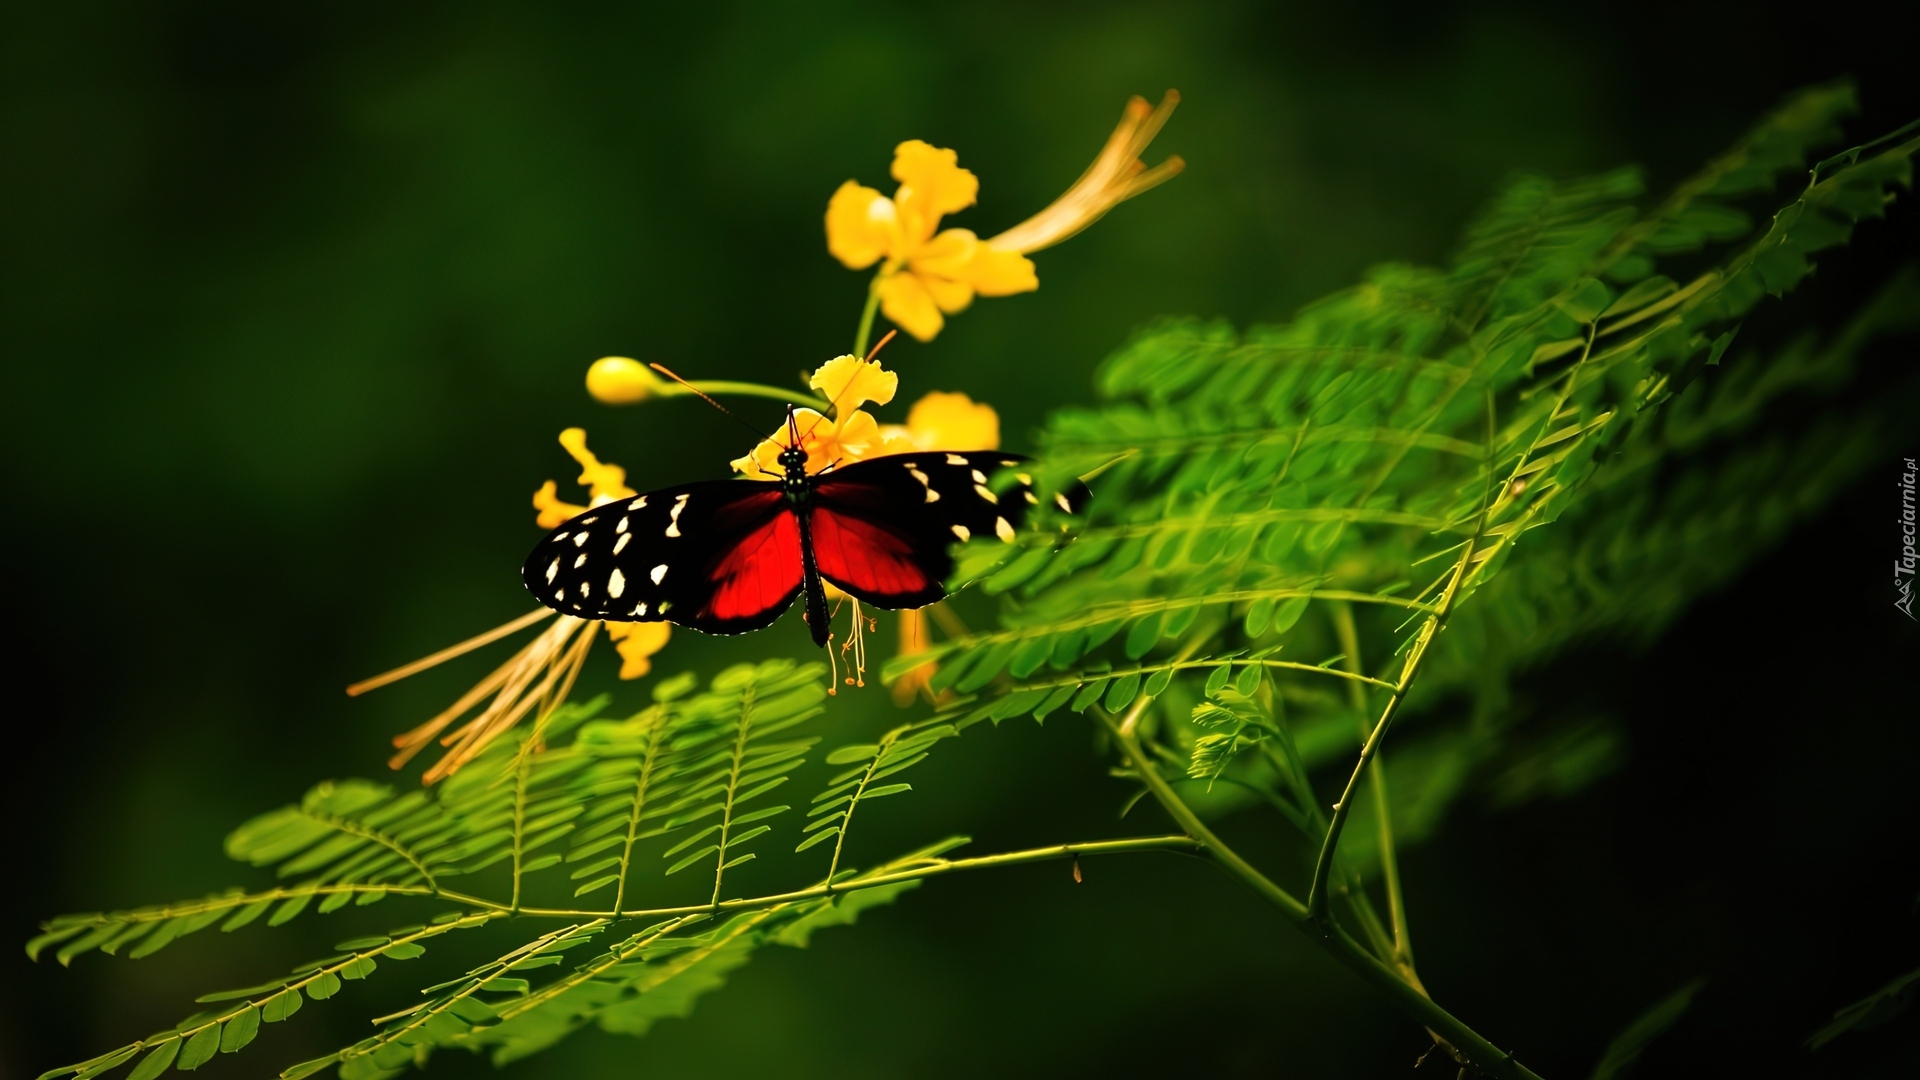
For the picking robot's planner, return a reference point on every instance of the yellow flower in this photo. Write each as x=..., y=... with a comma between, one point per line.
x=854, y=436
x=542, y=673
x=943, y=421
x=848, y=382
x=636, y=642
x=604, y=483
x=927, y=274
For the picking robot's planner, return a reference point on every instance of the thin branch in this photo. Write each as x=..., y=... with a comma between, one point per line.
x=1192, y=665
x=1383, y=807
x=163, y=912
x=290, y=986
x=933, y=868
x=1470, y=1046
x=355, y=829
x=655, y=738
x=1135, y=608
x=846, y=816
x=733, y=788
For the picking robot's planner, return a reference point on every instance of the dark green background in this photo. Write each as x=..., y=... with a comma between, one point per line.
x=296, y=298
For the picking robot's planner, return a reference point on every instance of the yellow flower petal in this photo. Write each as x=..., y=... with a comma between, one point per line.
x=860, y=225
x=952, y=297
x=621, y=380
x=943, y=421
x=763, y=461
x=942, y=265
x=826, y=442
x=856, y=436
x=997, y=272
x=895, y=439
x=932, y=183
x=908, y=304
x=850, y=382
x=636, y=642
x=914, y=639
x=606, y=482
x=956, y=258
x=553, y=512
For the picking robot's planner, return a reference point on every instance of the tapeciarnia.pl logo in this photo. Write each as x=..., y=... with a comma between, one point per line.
x=1903, y=566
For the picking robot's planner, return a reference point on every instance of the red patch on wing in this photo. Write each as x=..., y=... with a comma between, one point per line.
x=858, y=554
x=761, y=571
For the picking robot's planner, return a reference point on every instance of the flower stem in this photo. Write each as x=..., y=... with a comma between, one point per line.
x=718, y=387
x=861, y=335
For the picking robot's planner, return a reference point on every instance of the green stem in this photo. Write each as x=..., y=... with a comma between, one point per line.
x=865, y=331
x=933, y=868
x=654, y=738
x=1317, y=891
x=519, y=824
x=1470, y=1048
x=720, y=387
x=733, y=788
x=846, y=816
x=1382, y=804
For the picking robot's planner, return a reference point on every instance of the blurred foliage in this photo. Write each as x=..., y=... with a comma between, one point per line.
x=1265, y=499
x=283, y=278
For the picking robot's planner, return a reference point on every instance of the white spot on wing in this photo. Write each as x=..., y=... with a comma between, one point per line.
x=979, y=477
x=580, y=539
x=639, y=609
x=961, y=532
x=1030, y=498
x=586, y=588
x=1000, y=529
x=624, y=537
x=581, y=561
x=622, y=527
x=552, y=570
x=1064, y=504
x=659, y=573
x=616, y=583
x=986, y=493
x=956, y=459
x=637, y=503
x=589, y=520
x=1025, y=478
x=932, y=495
x=560, y=537
x=1008, y=461
x=673, y=527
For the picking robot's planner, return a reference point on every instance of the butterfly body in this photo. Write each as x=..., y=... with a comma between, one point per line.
x=730, y=556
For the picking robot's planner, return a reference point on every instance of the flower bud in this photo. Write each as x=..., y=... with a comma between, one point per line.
x=621, y=380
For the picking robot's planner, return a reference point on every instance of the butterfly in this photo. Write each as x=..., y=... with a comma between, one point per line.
x=730, y=556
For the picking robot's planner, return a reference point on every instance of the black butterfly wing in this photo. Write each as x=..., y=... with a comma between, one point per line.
x=882, y=528
x=721, y=556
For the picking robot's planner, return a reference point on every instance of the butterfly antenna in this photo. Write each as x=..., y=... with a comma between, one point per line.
x=661, y=368
x=881, y=344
